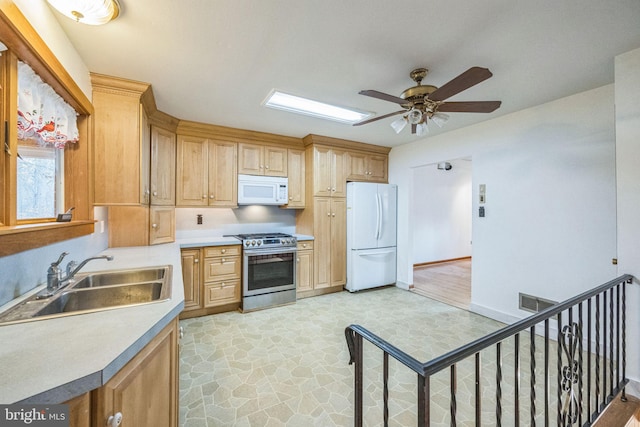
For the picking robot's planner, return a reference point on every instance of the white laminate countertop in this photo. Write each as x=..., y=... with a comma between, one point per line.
x=54, y=360
x=51, y=361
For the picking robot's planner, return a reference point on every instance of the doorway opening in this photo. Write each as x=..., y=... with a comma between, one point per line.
x=442, y=218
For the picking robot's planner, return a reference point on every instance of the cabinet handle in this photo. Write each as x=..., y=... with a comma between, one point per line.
x=328, y=188
x=224, y=251
x=154, y=226
x=261, y=166
x=290, y=197
x=195, y=261
x=155, y=193
x=204, y=196
x=181, y=332
x=304, y=245
x=212, y=196
x=333, y=215
x=328, y=213
x=333, y=189
x=266, y=167
x=297, y=259
x=115, y=420
x=223, y=260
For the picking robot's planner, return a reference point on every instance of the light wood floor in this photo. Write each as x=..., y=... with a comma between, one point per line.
x=447, y=282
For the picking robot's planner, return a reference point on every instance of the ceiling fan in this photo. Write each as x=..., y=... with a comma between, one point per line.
x=421, y=103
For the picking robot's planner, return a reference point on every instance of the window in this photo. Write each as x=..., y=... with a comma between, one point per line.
x=40, y=181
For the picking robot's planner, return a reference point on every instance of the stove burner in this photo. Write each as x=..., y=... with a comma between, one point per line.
x=266, y=240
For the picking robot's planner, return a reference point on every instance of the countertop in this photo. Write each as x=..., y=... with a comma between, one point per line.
x=54, y=360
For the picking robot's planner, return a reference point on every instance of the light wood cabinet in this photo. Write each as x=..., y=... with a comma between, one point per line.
x=213, y=284
x=304, y=268
x=366, y=167
x=145, y=391
x=191, y=278
x=80, y=410
x=206, y=172
x=267, y=160
x=163, y=167
x=330, y=244
x=122, y=141
x=141, y=225
x=296, y=174
x=328, y=172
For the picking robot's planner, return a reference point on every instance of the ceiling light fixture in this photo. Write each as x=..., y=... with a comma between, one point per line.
x=309, y=107
x=91, y=12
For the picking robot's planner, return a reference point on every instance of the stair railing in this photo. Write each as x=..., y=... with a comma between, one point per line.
x=589, y=348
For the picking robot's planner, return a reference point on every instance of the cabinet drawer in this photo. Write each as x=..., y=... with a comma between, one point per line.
x=224, y=292
x=222, y=268
x=305, y=245
x=212, y=251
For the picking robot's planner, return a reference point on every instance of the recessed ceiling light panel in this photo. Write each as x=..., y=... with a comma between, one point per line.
x=309, y=107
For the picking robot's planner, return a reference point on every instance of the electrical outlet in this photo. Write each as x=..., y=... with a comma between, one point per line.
x=199, y=219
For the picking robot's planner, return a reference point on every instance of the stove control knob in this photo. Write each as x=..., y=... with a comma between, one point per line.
x=253, y=243
x=247, y=243
x=259, y=242
x=282, y=241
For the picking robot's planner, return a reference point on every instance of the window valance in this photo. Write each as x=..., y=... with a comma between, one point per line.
x=42, y=114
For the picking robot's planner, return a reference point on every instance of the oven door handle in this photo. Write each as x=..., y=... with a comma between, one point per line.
x=269, y=251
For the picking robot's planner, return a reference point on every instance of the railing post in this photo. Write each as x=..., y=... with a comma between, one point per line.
x=354, y=343
x=424, y=400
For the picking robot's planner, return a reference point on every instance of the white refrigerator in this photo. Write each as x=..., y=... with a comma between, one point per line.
x=371, y=235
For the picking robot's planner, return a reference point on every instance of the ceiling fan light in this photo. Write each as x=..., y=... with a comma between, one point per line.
x=440, y=119
x=422, y=129
x=414, y=116
x=399, y=124
x=93, y=12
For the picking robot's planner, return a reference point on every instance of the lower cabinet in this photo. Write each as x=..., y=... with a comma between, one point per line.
x=304, y=269
x=212, y=279
x=144, y=393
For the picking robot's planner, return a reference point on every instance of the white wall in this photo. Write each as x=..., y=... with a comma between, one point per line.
x=441, y=210
x=245, y=219
x=550, y=225
x=627, y=96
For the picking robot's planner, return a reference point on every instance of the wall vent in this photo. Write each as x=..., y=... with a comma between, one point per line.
x=534, y=304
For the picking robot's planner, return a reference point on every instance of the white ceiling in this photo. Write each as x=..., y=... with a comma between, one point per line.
x=215, y=61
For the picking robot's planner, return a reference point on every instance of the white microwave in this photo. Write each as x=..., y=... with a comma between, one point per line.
x=262, y=190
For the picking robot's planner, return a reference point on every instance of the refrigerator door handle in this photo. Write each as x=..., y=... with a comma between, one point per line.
x=378, y=216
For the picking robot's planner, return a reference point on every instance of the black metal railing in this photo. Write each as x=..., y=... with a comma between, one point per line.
x=572, y=375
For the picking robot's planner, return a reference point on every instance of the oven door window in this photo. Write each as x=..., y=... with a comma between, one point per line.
x=269, y=272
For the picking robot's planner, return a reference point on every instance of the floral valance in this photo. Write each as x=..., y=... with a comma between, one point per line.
x=42, y=114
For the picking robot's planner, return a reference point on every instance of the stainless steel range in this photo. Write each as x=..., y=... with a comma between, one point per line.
x=269, y=270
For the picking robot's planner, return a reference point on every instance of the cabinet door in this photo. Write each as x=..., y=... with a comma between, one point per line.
x=224, y=292
x=356, y=166
x=378, y=168
x=145, y=157
x=163, y=167
x=250, y=159
x=322, y=242
x=338, y=242
x=191, y=278
x=338, y=178
x=218, y=269
x=322, y=174
x=163, y=224
x=296, y=175
x=304, y=271
x=223, y=176
x=128, y=226
x=145, y=390
x=192, y=188
x=80, y=410
x=117, y=149
x=275, y=161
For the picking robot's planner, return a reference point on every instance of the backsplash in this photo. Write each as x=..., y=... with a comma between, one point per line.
x=245, y=219
x=26, y=270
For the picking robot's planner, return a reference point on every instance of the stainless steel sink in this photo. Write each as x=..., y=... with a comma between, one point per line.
x=121, y=276
x=96, y=292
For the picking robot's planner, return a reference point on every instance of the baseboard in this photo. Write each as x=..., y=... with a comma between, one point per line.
x=443, y=261
x=403, y=285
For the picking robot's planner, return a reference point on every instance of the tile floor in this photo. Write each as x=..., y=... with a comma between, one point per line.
x=288, y=366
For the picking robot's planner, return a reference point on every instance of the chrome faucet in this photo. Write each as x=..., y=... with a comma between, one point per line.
x=55, y=279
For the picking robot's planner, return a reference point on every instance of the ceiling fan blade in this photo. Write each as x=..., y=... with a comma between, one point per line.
x=471, y=77
x=469, y=107
x=378, y=118
x=383, y=96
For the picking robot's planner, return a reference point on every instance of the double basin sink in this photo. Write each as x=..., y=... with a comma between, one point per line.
x=91, y=292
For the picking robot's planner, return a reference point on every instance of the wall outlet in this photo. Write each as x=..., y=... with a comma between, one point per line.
x=199, y=219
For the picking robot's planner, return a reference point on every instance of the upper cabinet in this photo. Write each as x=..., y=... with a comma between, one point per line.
x=362, y=166
x=206, y=172
x=163, y=167
x=328, y=171
x=122, y=140
x=296, y=174
x=267, y=160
